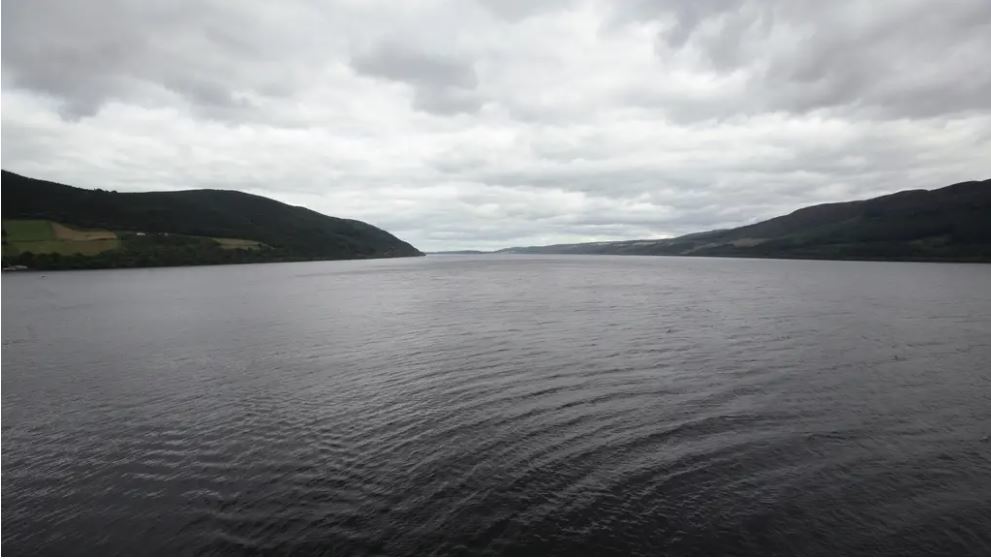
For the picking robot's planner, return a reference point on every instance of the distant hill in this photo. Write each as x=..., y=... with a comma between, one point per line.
x=951, y=223
x=188, y=227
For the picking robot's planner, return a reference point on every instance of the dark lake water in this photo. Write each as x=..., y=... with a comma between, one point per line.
x=499, y=405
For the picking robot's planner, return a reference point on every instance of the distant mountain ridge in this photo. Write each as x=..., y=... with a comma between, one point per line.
x=952, y=223
x=284, y=232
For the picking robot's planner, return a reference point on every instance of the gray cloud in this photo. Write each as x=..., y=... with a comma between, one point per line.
x=517, y=10
x=442, y=84
x=151, y=53
x=893, y=59
x=485, y=124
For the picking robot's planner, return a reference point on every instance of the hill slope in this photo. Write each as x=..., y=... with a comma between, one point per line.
x=950, y=223
x=286, y=232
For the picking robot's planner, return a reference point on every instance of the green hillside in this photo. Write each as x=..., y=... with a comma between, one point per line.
x=180, y=228
x=946, y=224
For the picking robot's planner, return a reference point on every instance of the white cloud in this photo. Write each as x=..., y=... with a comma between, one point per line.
x=482, y=125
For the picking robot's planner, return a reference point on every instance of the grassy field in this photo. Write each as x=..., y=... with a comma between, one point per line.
x=40, y=236
x=49, y=244
x=18, y=230
x=238, y=243
x=73, y=234
x=86, y=248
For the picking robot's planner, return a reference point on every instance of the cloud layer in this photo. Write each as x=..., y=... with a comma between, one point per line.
x=458, y=124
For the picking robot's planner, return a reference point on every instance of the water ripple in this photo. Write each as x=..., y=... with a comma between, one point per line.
x=499, y=405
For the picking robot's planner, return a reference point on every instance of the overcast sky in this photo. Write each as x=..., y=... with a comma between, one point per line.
x=486, y=124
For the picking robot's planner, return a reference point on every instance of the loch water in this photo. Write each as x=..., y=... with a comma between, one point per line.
x=499, y=405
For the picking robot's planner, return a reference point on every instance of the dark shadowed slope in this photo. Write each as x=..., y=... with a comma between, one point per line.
x=951, y=223
x=287, y=232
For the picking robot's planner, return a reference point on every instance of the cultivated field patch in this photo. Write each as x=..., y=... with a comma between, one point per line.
x=39, y=236
x=75, y=234
x=15, y=230
x=238, y=243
